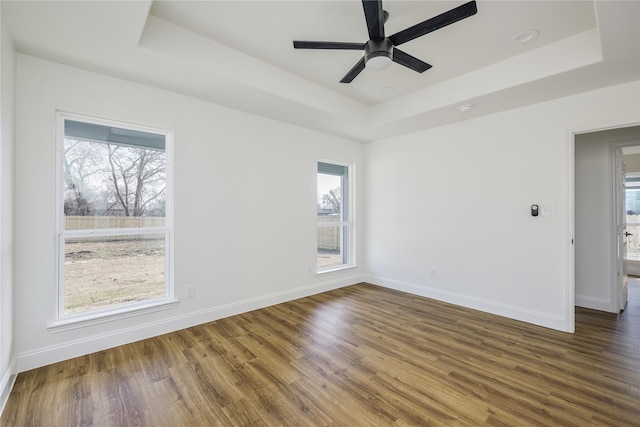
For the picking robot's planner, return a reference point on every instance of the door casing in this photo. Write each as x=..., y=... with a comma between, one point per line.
x=571, y=218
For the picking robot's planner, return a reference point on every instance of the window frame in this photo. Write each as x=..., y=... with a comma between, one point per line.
x=347, y=220
x=632, y=184
x=70, y=321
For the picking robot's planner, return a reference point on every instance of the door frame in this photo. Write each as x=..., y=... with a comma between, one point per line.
x=616, y=161
x=571, y=217
x=619, y=202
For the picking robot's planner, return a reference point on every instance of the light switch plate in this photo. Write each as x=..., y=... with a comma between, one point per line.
x=547, y=210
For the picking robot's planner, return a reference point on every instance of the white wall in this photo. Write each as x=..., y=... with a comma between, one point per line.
x=7, y=118
x=594, y=217
x=244, y=206
x=457, y=199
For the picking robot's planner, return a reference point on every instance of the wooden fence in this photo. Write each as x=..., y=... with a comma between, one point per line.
x=329, y=237
x=102, y=222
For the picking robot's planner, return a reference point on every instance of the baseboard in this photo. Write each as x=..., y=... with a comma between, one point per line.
x=68, y=350
x=593, y=303
x=517, y=313
x=8, y=379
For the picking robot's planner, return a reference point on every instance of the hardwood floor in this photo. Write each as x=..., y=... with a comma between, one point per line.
x=356, y=356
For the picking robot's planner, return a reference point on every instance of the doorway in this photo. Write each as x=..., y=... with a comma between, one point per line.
x=631, y=156
x=597, y=272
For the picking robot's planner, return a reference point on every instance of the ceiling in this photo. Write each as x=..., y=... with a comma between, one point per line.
x=240, y=54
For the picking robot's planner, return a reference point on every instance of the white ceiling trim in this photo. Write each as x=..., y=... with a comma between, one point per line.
x=204, y=55
x=215, y=59
x=126, y=40
x=584, y=49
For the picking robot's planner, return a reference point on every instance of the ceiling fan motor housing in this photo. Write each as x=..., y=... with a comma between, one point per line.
x=378, y=47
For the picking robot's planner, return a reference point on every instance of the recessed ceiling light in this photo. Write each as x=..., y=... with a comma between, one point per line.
x=465, y=107
x=525, y=37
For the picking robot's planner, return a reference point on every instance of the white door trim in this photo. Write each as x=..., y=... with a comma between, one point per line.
x=571, y=215
x=615, y=154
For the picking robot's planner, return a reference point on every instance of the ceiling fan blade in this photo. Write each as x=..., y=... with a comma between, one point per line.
x=374, y=15
x=327, y=45
x=409, y=61
x=353, y=73
x=435, y=23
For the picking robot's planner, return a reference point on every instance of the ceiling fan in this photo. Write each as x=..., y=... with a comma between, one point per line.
x=381, y=50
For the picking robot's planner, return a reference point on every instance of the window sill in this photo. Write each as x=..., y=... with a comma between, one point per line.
x=97, y=317
x=336, y=269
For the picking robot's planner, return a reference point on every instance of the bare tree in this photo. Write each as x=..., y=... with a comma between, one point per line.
x=332, y=201
x=103, y=178
x=75, y=203
x=137, y=178
x=80, y=165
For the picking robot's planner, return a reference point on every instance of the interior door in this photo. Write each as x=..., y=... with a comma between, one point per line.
x=622, y=231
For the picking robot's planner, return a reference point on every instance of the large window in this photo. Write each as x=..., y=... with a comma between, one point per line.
x=335, y=219
x=113, y=217
x=632, y=194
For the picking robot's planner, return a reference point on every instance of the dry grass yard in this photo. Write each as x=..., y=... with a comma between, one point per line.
x=102, y=274
x=327, y=258
x=356, y=356
x=105, y=273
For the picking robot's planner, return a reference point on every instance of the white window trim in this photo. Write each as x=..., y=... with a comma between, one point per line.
x=335, y=269
x=76, y=320
x=350, y=222
x=96, y=317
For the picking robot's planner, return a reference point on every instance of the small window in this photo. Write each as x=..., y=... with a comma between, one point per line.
x=114, y=217
x=632, y=195
x=335, y=223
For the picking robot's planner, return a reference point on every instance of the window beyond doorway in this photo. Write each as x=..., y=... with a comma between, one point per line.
x=113, y=217
x=632, y=203
x=335, y=221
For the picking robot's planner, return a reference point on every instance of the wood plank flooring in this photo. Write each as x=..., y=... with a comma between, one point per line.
x=357, y=356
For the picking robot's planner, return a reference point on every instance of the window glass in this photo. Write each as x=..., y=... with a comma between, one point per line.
x=334, y=221
x=109, y=184
x=113, y=232
x=632, y=195
x=105, y=271
x=329, y=195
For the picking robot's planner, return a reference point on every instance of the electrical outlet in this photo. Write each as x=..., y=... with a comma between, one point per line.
x=191, y=291
x=434, y=273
